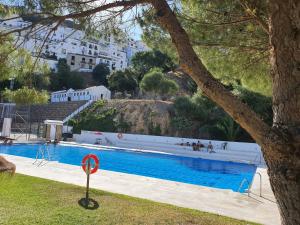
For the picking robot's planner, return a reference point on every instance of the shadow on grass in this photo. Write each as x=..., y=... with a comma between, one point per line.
x=91, y=204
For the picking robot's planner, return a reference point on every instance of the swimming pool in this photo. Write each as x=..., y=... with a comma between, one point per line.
x=210, y=173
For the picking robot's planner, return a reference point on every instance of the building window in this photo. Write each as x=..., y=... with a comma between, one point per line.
x=96, y=48
x=90, y=52
x=83, y=60
x=73, y=57
x=91, y=60
x=90, y=46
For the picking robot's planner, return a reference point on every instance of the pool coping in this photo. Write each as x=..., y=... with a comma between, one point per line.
x=220, y=201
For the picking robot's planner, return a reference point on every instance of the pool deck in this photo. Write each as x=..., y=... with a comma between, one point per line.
x=223, y=202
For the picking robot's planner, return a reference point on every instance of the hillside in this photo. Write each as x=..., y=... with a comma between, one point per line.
x=125, y=115
x=144, y=116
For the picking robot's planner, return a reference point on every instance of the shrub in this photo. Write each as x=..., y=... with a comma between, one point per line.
x=26, y=95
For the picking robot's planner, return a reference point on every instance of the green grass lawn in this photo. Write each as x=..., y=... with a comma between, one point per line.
x=30, y=200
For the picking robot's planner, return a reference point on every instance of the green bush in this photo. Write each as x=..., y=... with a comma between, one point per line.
x=95, y=119
x=26, y=95
x=143, y=62
x=156, y=83
x=100, y=73
x=122, y=81
x=154, y=129
x=199, y=115
x=64, y=78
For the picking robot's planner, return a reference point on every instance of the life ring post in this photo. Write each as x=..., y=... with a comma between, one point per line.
x=87, y=183
x=89, y=169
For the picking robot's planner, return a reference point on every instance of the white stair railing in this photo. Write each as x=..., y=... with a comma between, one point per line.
x=78, y=110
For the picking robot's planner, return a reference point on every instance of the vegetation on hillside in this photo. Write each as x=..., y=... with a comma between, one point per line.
x=143, y=62
x=91, y=119
x=64, y=78
x=123, y=81
x=157, y=84
x=100, y=73
x=27, y=74
x=189, y=116
x=26, y=95
x=198, y=116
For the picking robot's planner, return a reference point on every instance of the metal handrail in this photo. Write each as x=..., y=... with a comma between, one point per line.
x=260, y=183
x=242, y=183
x=43, y=154
x=250, y=185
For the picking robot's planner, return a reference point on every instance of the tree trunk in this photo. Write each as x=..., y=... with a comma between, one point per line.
x=285, y=181
x=284, y=168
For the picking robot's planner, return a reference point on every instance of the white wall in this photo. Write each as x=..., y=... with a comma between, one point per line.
x=236, y=151
x=92, y=93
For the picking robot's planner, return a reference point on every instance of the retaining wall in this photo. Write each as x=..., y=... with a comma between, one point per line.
x=235, y=151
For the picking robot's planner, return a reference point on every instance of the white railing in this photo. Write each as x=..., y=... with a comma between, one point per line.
x=249, y=184
x=78, y=110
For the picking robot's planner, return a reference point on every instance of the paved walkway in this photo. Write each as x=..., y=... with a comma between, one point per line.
x=224, y=202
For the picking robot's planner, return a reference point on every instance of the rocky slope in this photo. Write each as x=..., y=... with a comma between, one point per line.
x=143, y=116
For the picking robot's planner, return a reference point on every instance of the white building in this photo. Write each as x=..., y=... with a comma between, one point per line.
x=92, y=93
x=67, y=42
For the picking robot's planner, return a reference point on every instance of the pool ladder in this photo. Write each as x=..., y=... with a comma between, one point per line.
x=245, y=180
x=42, y=154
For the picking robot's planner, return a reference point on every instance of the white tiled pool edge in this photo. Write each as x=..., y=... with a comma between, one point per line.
x=223, y=202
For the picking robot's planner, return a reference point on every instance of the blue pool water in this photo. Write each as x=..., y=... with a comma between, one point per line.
x=211, y=173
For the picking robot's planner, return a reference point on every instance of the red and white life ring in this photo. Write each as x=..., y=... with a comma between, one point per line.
x=95, y=164
x=120, y=135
